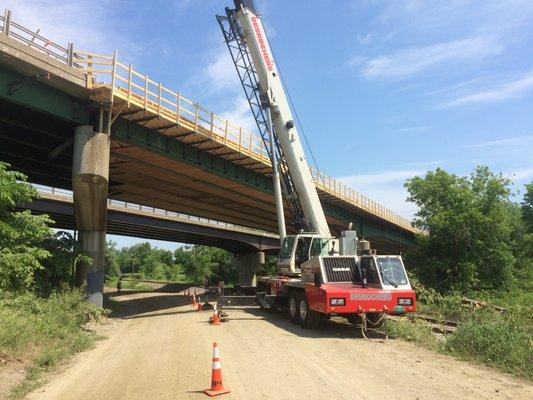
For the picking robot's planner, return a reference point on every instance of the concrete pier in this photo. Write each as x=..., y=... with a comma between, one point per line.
x=90, y=180
x=247, y=266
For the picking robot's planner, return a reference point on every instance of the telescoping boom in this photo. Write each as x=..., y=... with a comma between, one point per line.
x=274, y=100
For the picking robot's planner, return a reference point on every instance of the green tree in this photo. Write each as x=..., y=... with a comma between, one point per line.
x=211, y=262
x=112, y=261
x=527, y=207
x=21, y=233
x=468, y=223
x=59, y=268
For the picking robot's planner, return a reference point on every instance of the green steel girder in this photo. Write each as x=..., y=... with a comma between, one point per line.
x=139, y=136
x=43, y=98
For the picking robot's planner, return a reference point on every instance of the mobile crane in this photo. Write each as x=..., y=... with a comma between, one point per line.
x=318, y=275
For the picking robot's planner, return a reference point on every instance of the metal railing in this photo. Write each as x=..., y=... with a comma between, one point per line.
x=67, y=194
x=139, y=89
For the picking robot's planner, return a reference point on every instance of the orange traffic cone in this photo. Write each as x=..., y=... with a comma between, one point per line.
x=216, y=375
x=215, y=319
x=199, y=306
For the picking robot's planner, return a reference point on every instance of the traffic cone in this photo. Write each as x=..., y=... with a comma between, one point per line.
x=216, y=375
x=199, y=306
x=215, y=319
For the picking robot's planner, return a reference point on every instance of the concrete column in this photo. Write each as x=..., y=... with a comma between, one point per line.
x=90, y=179
x=247, y=266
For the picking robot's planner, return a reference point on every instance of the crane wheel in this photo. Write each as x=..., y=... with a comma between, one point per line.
x=293, y=304
x=309, y=319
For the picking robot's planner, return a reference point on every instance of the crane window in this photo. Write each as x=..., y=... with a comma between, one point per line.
x=286, y=250
x=302, y=250
x=371, y=271
x=319, y=247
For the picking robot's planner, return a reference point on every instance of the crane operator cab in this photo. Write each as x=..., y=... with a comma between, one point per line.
x=386, y=272
x=319, y=259
x=297, y=249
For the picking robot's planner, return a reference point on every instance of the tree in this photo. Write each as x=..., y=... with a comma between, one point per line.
x=468, y=224
x=21, y=233
x=65, y=254
x=211, y=262
x=527, y=207
x=112, y=261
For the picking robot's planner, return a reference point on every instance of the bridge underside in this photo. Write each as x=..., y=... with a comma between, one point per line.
x=148, y=227
x=150, y=167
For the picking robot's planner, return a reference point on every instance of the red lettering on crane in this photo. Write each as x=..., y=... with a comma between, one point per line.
x=262, y=44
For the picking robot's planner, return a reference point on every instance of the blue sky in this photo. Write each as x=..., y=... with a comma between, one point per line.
x=385, y=89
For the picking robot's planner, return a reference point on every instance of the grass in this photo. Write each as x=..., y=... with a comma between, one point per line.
x=496, y=342
x=487, y=336
x=42, y=332
x=415, y=331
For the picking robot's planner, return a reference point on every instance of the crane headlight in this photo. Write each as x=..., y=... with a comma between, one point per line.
x=341, y=301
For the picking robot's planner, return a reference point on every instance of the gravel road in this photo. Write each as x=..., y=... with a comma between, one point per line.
x=160, y=348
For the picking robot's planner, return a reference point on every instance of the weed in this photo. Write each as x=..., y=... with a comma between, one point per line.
x=44, y=331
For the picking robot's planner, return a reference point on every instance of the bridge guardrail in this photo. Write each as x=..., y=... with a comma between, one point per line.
x=139, y=88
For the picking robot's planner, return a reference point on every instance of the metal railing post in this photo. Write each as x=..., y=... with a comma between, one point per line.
x=146, y=92
x=112, y=92
x=7, y=22
x=89, y=71
x=130, y=77
x=70, y=54
x=196, y=117
x=159, y=99
x=178, y=106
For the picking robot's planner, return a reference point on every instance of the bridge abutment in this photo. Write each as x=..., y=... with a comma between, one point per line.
x=90, y=181
x=247, y=266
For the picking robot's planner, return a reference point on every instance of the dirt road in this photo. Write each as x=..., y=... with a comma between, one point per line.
x=161, y=349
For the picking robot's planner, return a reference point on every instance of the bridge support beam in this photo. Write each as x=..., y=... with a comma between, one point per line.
x=247, y=266
x=90, y=180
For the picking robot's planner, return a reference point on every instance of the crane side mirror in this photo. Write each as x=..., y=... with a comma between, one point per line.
x=364, y=276
x=318, y=278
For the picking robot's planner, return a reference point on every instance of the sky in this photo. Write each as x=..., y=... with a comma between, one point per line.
x=385, y=90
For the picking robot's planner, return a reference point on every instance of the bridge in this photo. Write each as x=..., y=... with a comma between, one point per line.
x=136, y=220
x=89, y=123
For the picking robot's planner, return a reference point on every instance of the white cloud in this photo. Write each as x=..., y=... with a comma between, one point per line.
x=407, y=62
x=520, y=175
x=427, y=164
x=412, y=129
x=381, y=177
x=365, y=39
x=505, y=91
x=86, y=23
x=239, y=114
x=386, y=188
x=512, y=141
x=220, y=75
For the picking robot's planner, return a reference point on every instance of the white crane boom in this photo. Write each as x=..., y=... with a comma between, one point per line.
x=273, y=95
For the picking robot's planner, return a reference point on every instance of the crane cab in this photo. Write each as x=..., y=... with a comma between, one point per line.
x=297, y=249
